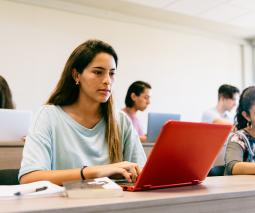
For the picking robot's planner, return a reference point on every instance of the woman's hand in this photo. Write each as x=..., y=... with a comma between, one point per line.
x=128, y=170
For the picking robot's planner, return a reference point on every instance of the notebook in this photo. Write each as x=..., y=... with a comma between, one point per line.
x=183, y=154
x=31, y=190
x=14, y=124
x=156, y=121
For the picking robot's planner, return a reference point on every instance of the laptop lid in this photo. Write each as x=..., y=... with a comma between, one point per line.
x=183, y=154
x=156, y=121
x=14, y=124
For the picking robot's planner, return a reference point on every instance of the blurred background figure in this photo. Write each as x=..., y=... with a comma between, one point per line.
x=137, y=99
x=227, y=98
x=5, y=95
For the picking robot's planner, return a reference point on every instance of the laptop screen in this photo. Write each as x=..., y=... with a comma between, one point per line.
x=14, y=124
x=156, y=121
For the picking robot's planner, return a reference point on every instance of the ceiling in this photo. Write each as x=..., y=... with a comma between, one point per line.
x=234, y=18
x=240, y=13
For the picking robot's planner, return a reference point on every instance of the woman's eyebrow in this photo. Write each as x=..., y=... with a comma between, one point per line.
x=102, y=68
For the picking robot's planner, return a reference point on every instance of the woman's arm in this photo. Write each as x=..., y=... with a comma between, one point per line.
x=128, y=170
x=143, y=138
x=243, y=168
x=234, y=158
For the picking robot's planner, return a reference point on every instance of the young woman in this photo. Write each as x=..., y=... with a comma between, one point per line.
x=76, y=136
x=240, y=151
x=137, y=99
x=5, y=95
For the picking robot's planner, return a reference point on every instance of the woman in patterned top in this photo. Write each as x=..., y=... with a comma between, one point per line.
x=240, y=152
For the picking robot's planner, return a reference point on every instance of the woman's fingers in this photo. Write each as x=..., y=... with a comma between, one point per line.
x=134, y=173
x=126, y=175
x=138, y=170
x=128, y=170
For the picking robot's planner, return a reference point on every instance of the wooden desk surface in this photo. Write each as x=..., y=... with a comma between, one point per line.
x=216, y=194
x=11, y=143
x=148, y=144
x=11, y=154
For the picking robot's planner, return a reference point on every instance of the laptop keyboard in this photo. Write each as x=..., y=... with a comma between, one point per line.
x=124, y=182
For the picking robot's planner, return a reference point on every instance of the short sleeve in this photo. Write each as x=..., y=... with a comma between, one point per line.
x=234, y=153
x=37, y=152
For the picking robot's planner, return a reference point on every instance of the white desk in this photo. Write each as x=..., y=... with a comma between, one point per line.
x=216, y=194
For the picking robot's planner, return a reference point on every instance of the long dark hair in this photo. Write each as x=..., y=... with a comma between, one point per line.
x=67, y=92
x=246, y=101
x=5, y=95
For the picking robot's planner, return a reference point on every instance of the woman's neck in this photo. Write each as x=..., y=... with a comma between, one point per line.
x=251, y=131
x=85, y=113
x=131, y=110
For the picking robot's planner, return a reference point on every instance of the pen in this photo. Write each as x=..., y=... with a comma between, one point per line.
x=23, y=192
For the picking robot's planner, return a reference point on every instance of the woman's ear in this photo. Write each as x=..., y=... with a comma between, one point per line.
x=75, y=76
x=246, y=116
x=133, y=96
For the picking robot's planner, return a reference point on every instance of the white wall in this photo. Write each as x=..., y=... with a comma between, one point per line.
x=185, y=69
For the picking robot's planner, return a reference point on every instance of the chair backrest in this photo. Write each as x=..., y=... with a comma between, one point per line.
x=9, y=176
x=217, y=171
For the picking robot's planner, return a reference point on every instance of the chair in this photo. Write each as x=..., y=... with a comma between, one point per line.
x=9, y=176
x=216, y=171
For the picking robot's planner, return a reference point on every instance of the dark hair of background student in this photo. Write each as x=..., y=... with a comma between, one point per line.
x=137, y=88
x=67, y=91
x=227, y=91
x=5, y=95
x=246, y=101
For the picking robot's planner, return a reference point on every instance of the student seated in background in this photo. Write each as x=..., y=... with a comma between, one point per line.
x=240, y=152
x=76, y=135
x=227, y=97
x=137, y=98
x=5, y=95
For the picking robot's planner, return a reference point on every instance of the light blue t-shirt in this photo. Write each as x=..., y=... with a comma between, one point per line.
x=56, y=141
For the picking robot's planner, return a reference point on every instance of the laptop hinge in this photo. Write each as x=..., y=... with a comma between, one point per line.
x=147, y=186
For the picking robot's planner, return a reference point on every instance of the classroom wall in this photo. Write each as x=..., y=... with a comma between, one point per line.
x=184, y=68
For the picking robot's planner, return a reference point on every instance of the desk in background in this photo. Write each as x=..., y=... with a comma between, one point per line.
x=228, y=194
x=147, y=147
x=11, y=154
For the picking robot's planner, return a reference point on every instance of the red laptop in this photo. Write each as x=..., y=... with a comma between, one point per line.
x=183, y=154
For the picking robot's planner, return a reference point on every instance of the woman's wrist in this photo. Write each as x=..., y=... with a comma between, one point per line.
x=91, y=172
x=82, y=172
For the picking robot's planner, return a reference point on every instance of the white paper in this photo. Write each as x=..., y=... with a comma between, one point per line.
x=8, y=192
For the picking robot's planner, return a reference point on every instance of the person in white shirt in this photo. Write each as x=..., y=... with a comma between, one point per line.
x=220, y=114
x=227, y=98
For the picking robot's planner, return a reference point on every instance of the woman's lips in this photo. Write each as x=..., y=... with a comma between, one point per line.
x=105, y=91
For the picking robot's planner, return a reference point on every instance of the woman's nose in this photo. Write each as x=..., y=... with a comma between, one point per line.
x=107, y=79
